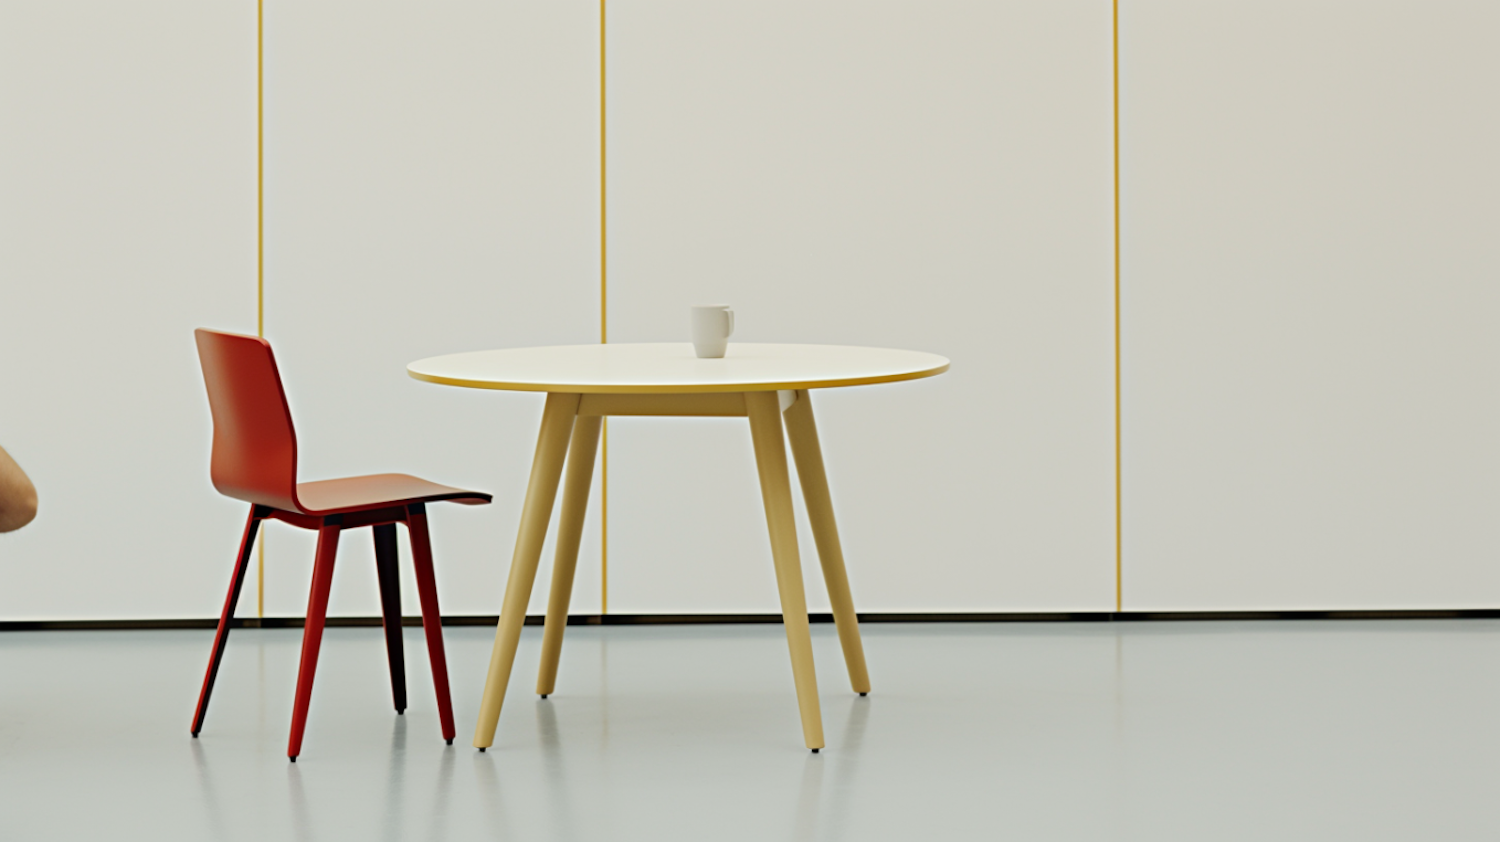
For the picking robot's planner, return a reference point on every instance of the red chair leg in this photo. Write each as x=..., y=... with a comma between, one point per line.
x=312, y=633
x=252, y=525
x=390, y=609
x=432, y=621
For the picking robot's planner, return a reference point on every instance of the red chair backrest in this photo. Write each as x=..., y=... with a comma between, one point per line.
x=255, y=447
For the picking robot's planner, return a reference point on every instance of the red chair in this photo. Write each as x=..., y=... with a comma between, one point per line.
x=255, y=460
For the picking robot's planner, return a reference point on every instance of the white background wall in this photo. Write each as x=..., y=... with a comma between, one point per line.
x=431, y=187
x=127, y=218
x=934, y=176
x=1307, y=207
x=1311, y=291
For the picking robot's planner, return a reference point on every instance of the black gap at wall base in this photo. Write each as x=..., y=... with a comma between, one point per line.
x=715, y=619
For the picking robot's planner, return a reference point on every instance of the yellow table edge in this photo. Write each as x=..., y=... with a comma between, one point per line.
x=668, y=389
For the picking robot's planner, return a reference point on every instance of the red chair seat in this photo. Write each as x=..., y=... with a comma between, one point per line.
x=376, y=491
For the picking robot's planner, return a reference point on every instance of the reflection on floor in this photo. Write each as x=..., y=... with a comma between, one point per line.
x=1273, y=730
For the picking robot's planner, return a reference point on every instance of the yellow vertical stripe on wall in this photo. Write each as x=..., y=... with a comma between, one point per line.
x=1119, y=506
x=603, y=328
x=260, y=250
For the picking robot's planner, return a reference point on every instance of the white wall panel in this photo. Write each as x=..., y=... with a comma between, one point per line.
x=431, y=187
x=1310, y=300
x=935, y=176
x=127, y=218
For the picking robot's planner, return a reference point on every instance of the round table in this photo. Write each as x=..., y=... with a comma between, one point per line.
x=586, y=383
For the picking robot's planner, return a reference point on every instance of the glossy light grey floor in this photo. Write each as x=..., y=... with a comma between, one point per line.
x=1225, y=731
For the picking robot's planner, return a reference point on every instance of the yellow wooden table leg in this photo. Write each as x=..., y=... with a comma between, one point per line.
x=802, y=432
x=575, y=502
x=541, y=493
x=776, y=489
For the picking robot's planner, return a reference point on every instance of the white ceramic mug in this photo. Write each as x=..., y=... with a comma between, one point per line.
x=713, y=324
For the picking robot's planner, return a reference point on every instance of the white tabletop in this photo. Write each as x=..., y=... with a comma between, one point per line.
x=665, y=367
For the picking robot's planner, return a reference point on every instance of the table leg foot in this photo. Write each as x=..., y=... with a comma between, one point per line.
x=580, y=475
x=764, y=410
x=802, y=432
x=541, y=494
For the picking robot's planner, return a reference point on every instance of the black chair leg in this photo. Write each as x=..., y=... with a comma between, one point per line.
x=247, y=542
x=390, y=609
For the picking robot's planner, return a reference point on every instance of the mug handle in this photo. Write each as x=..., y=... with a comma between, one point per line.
x=730, y=313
